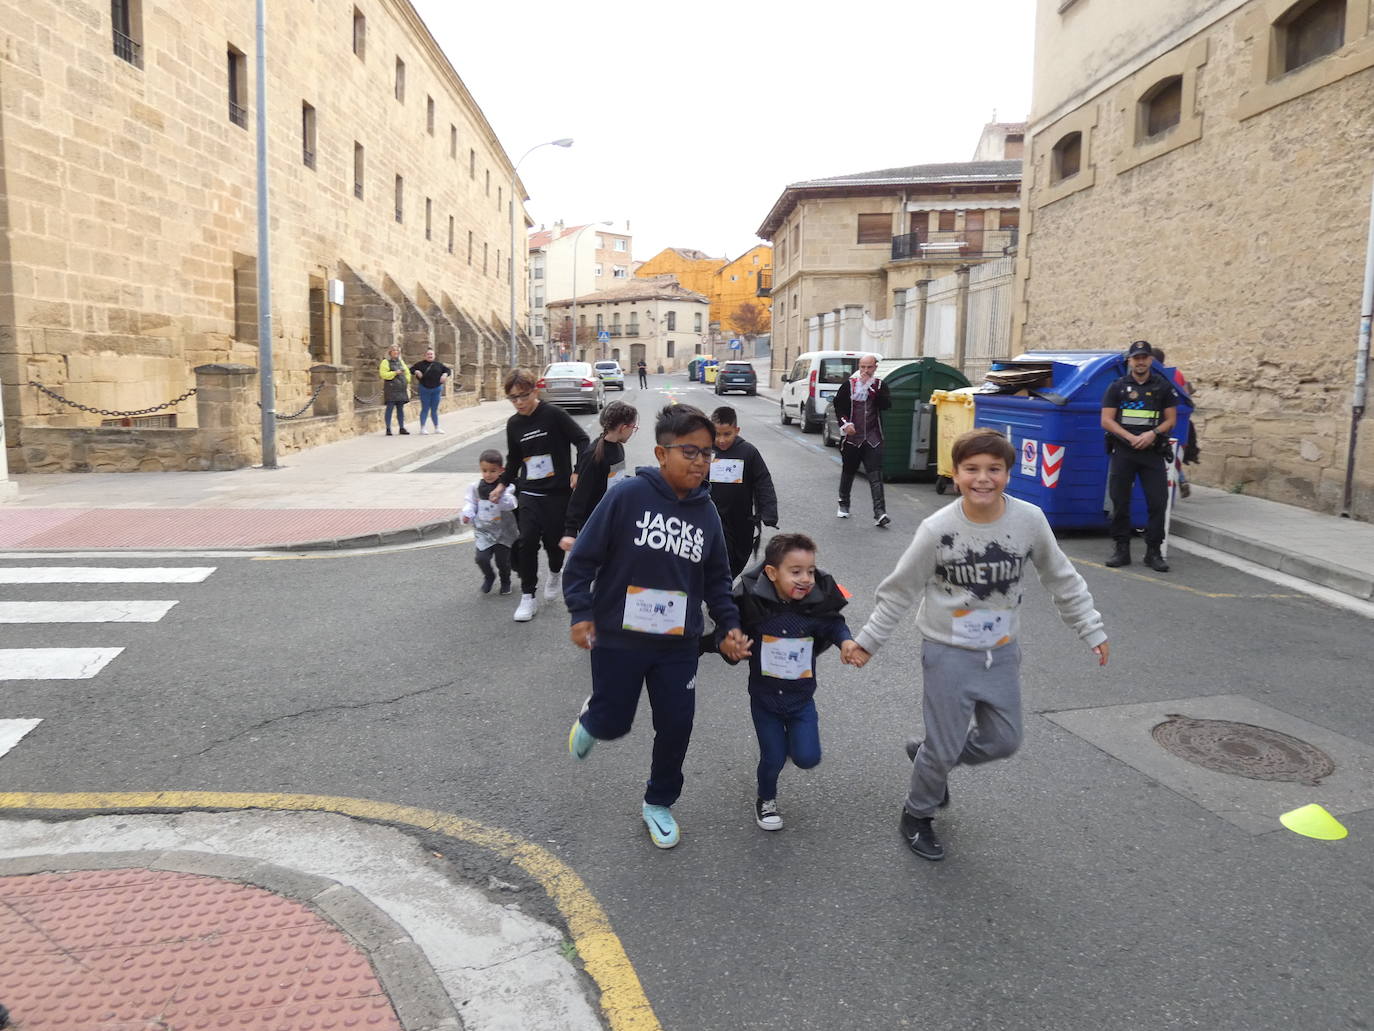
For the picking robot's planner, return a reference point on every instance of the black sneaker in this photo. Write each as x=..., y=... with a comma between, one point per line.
x=881, y=521
x=404, y=432
x=919, y=834
x=487, y=581
x=505, y=587
x=766, y=814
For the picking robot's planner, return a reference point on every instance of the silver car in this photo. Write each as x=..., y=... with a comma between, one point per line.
x=572, y=385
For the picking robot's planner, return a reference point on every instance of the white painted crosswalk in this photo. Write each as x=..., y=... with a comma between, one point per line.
x=81, y=661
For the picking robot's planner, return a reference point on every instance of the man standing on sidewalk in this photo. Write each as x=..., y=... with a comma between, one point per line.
x=538, y=464
x=859, y=404
x=643, y=374
x=1138, y=412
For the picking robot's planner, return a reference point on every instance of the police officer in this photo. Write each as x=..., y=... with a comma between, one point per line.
x=1138, y=412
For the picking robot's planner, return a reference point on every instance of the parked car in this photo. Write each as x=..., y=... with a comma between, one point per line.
x=811, y=382
x=737, y=376
x=612, y=375
x=572, y=385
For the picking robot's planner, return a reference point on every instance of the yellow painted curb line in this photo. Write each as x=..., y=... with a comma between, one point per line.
x=623, y=1001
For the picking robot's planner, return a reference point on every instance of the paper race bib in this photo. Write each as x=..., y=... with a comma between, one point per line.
x=538, y=467
x=488, y=512
x=652, y=611
x=982, y=628
x=616, y=474
x=787, y=658
x=727, y=470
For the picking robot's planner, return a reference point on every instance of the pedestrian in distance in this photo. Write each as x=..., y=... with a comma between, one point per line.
x=543, y=446
x=965, y=566
x=643, y=374
x=859, y=406
x=494, y=523
x=602, y=466
x=792, y=612
x=742, y=489
x=430, y=375
x=1139, y=411
x=650, y=555
x=395, y=388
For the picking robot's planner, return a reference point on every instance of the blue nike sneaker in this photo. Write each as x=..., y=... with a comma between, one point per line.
x=579, y=741
x=662, y=826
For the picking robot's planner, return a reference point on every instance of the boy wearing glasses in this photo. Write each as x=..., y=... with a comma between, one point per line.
x=539, y=438
x=650, y=554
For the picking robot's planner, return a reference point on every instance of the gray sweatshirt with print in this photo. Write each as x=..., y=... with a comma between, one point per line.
x=967, y=577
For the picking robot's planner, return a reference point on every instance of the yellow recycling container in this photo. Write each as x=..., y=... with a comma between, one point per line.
x=711, y=371
x=953, y=416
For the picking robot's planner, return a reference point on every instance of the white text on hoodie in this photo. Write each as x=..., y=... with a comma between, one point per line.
x=672, y=534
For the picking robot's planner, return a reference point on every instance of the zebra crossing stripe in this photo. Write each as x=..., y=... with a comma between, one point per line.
x=12, y=730
x=104, y=574
x=54, y=663
x=83, y=611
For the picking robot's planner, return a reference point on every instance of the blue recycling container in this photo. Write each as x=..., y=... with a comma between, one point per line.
x=1061, y=455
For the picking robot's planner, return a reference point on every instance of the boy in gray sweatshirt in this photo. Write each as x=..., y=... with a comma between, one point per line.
x=965, y=566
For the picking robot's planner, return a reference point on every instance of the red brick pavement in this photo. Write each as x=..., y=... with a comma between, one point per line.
x=149, y=950
x=200, y=527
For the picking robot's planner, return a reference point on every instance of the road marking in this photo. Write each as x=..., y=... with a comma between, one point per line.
x=12, y=730
x=1175, y=586
x=623, y=1001
x=104, y=574
x=54, y=663
x=83, y=611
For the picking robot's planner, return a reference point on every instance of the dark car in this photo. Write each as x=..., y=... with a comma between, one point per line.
x=737, y=376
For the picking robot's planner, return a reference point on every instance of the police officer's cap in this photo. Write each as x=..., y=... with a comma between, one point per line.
x=1140, y=347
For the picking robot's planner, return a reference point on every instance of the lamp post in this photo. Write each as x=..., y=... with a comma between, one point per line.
x=510, y=275
x=577, y=237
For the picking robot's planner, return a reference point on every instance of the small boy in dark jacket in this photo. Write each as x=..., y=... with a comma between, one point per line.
x=791, y=611
x=649, y=555
x=741, y=487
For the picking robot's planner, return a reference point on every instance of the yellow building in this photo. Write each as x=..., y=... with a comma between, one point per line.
x=694, y=270
x=739, y=281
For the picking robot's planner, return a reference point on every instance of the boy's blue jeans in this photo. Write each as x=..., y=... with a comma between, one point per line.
x=429, y=404
x=797, y=736
x=618, y=674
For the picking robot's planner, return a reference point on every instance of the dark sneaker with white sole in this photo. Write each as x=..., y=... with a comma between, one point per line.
x=766, y=814
x=919, y=834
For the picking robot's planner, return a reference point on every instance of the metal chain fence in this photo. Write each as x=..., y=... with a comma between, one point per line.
x=302, y=409
x=105, y=411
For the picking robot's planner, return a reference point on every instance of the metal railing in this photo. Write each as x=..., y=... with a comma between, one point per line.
x=308, y=156
x=765, y=285
x=358, y=190
x=128, y=48
x=238, y=114
x=945, y=244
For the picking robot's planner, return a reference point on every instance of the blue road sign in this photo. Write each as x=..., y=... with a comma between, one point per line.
x=735, y=345
x=603, y=337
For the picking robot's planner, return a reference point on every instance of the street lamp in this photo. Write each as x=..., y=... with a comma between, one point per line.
x=577, y=237
x=510, y=275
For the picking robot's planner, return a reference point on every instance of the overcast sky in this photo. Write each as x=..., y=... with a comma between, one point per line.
x=689, y=121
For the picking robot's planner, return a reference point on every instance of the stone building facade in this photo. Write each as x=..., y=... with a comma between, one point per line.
x=875, y=238
x=1198, y=175
x=566, y=260
x=654, y=319
x=127, y=152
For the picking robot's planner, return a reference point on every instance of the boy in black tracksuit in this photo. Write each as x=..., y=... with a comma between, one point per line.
x=648, y=557
x=792, y=612
x=741, y=487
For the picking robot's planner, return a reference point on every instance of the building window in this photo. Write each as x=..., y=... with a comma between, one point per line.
x=946, y=222
x=600, y=322
x=429, y=115
x=669, y=352
x=488, y=182
x=620, y=245
x=498, y=264
x=472, y=164
x=500, y=197
x=450, y=234
x=400, y=80
x=600, y=242
x=126, y=22
x=453, y=142
x=696, y=322
x=875, y=229
x=400, y=199
x=615, y=323
x=238, y=88
x=596, y=271
x=1066, y=157
x=756, y=259
x=538, y=329
x=1309, y=30
x=357, y=170
x=486, y=248
x=307, y=135
x=620, y=272
x=429, y=218
x=1161, y=107
x=796, y=241
x=359, y=34
x=469, y=247
x=671, y=325
x=782, y=253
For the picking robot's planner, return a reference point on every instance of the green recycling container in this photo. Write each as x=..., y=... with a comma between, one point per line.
x=910, y=450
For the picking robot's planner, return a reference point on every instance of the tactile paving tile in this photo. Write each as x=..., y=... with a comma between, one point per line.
x=138, y=950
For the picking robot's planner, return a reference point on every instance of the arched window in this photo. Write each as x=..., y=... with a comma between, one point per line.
x=1161, y=107
x=1309, y=30
x=1067, y=157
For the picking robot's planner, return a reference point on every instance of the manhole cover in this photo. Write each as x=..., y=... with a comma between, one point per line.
x=1243, y=749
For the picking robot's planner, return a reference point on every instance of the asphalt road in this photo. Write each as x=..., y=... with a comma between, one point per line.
x=1078, y=892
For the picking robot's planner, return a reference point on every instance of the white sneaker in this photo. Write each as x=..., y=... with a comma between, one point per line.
x=423, y=432
x=843, y=513
x=438, y=430
x=529, y=605
x=554, y=588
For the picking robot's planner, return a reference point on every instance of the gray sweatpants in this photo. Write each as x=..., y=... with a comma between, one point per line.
x=961, y=685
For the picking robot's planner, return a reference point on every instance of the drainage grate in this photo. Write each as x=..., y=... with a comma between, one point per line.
x=1243, y=749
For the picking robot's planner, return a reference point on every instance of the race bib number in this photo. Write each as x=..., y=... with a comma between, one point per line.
x=652, y=611
x=488, y=512
x=538, y=467
x=727, y=470
x=982, y=628
x=616, y=474
x=786, y=658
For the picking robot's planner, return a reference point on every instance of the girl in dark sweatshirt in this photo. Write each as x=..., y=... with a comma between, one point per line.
x=602, y=465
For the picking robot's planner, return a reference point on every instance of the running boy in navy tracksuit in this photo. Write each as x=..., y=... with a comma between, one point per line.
x=791, y=610
x=648, y=557
x=741, y=487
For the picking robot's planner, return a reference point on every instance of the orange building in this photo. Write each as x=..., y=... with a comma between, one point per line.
x=726, y=283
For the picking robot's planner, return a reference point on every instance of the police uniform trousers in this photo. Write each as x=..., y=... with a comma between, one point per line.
x=1152, y=469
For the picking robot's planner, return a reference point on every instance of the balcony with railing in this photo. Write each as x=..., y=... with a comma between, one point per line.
x=765, y=285
x=238, y=114
x=954, y=244
x=128, y=48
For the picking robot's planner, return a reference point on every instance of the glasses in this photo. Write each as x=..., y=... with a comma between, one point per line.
x=516, y=398
x=693, y=453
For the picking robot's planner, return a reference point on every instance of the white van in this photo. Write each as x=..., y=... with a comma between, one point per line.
x=812, y=381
